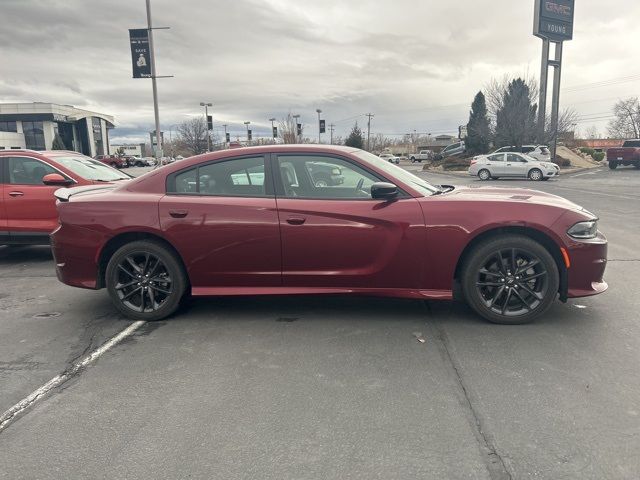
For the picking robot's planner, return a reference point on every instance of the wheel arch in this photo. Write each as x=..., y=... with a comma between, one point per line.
x=114, y=243
x=535, y=234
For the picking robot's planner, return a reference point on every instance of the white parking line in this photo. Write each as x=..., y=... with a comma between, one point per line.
x=585, y=173
x=7, y=417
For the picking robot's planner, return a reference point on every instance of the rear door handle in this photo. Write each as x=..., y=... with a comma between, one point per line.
x=16, y=194
x=178, y=213
x=296, y=220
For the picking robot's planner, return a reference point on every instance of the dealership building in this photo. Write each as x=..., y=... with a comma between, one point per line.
x=35, y=125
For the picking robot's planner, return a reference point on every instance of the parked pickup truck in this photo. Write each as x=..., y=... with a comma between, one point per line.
x=423, y=155
x=628, y=154
x=112, y=160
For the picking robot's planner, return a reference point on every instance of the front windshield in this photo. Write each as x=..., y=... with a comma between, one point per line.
x=90, y=169
x=398, y=172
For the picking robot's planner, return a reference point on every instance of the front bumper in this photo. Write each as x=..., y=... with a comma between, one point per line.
x=588, y=263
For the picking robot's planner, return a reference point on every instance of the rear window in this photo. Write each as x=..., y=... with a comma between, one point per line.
x=544, y=150
x=632, y=143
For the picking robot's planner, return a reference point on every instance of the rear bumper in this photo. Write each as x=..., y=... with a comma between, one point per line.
x=74, y=252
x=588, y=263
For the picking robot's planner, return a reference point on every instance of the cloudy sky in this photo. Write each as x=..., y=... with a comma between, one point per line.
x=415, y=64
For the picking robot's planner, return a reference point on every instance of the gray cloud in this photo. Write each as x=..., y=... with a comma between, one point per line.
x=415, y=64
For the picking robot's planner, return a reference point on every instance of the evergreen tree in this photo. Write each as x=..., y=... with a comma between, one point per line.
x=478, y=131
x=58, y=143
x=355, y=138
x=516, y=118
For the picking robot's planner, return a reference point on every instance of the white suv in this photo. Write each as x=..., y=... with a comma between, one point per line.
x=539, y=152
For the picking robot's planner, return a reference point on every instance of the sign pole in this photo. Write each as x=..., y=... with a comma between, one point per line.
x=542, y=103
x=158, y=151
x=555, y=101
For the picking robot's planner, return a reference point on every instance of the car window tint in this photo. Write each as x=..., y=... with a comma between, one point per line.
x=311, y=176
x=496, y=158
x=185, y=182
x=240, y=177
x=528, y=149
x=513, y=157
x=28, y=171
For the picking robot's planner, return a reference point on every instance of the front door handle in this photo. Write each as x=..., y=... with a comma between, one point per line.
x=178, y=213
x=296, y=220
x=16, y=194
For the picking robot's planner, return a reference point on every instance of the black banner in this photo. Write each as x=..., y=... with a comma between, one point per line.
x=299, y=129
x=140, y=56
x=553, y=19
x=322, y=126
x=227, y=137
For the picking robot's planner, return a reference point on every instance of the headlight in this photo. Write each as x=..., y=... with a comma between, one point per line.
x=584, y=230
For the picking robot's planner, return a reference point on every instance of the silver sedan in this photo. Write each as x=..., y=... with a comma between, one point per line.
x=511, y=164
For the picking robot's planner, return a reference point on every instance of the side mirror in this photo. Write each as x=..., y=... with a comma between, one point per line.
x=383, y=190
x=57, y=180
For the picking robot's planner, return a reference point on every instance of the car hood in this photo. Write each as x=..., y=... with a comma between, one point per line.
x=515, y=195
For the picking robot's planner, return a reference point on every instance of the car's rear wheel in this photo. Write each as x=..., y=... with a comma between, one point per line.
x=613, y=165
x=484, y=174
x=145, y=280
x=510, y=280
x=535, y=174
x=413, y=159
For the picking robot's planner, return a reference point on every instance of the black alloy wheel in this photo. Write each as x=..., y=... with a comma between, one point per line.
x=512, y=280
x=145, y=281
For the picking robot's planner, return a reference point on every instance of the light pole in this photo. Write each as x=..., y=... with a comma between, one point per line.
x=295, y=118
x=273, y=137
x=206, y=122
x=247, y=124
x=318, y=111
x=225, y=135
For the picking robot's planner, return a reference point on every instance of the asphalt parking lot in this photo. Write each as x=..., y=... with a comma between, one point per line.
x=330, y=387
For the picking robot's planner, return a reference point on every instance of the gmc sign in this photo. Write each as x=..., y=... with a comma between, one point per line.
x=553, y=19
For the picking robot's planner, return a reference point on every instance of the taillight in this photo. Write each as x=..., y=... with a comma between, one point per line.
x=473, y=162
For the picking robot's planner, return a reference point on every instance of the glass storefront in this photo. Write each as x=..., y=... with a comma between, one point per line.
x=33, y=135
x=97, y=135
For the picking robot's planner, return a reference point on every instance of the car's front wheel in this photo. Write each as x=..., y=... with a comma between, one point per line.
x=535, y=174
x=510, y=280
x=613, y=165
x=145, y=280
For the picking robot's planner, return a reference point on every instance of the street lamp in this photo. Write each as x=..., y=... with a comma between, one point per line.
x=318, y=112
x=206, y=122
x=295, y=118
x=247, y=124
x=273, y=129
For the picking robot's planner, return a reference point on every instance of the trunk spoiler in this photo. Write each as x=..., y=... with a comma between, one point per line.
x=64, y=194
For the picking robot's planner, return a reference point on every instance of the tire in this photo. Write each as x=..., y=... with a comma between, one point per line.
x=499, y=295
x=613, y=165
x=535, y=174
x=413, y=159
x=163, y=294
x=114, y=165
x=484, y=174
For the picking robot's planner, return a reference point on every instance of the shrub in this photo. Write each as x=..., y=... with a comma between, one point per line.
x=562, y=162
x=456, y=163
x=598, y=156
x=587, y=150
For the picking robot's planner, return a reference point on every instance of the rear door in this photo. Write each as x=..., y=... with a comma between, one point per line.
x=29, y=203
x=222, y=218
x=495, y=164
x=337, y=235
x=4, y=231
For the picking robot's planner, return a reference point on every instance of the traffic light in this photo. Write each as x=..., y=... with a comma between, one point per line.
x=275, y=132
x=322, y=126
x=299, y=129
x=209, y=122
x=248, y=134
x=227, y=137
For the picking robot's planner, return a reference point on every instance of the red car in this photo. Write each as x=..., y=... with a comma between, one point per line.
x=113, y=161
x=27, y=182
x=254, y=221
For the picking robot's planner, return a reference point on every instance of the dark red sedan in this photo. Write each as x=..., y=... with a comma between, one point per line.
x=255, y=221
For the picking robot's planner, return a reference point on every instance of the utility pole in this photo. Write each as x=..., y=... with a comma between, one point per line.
x=370, y=115
x=318, y=111
x=331, y=127
x=206, y=122
x=273, y=131
x=296, y=117
x=247, y=124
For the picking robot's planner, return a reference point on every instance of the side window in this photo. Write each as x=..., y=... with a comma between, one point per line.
x=311, y=176
x=27, y=171
x=498, y=157
x=528, y=149
x=243, y=177
x=512, y=157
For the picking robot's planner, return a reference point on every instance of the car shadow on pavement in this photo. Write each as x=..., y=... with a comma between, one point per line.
x=20, y=254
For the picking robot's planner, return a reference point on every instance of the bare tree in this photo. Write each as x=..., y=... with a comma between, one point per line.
x=288, y=130
x=592, y=132
x=567, y=119
x=626, y=123
x=494, y=92
x=192, y=135
x=379, y=142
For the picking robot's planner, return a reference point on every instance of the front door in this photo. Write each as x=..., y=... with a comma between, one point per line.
x=29, y=203
x=223, y=220
x=335, y=235
x=516, y=165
